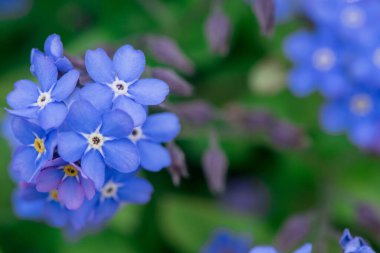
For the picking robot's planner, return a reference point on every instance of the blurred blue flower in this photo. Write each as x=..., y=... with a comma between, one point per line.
x=44, y=103
x=119, y=189
x=30, y=204
x=14, y=8
x=357, y=113
x=224, y=241
x=354, y=244
x=53, y=48
x=318, y=59
x=68, y=179
x=268, y=249
x=98, y=139
x=37, y=148
x=118, y=81
x=158, y=128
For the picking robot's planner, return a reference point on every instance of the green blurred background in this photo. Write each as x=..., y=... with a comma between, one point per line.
x=330, y=178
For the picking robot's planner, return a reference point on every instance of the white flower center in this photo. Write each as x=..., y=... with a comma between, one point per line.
x=120, y=87
x=96, y=140
x=353, y=17
x=136, y=134
x=361, y=104
x=376, y=57
x=324, y=59
x=109, y=190
x=43, y=99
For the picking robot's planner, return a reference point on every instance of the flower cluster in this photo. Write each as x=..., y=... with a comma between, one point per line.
x=340, y=58
x=78, y=146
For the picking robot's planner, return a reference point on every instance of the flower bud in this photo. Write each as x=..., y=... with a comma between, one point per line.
x=264, y=10
x=285, y=135
x=166, y=51
x=177, y=84
x=196, y=112
x=178, y=168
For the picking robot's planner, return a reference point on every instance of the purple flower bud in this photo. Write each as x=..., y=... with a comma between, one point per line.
x=294, y=231
x=215, y=165
x=177, y=84
x=264, y=10
x=369, y=218
x=166, y=51
x=285, y=135
x=218, y=30
x=196, y=112
x=178, y=168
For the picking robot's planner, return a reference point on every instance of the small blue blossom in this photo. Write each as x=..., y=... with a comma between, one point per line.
x=224, y=241
x=68, y=179
x=354, y=244
x=318, y=64
x=53, y=49
x=118, y=82
x=268, y=249
x=98, y=139
x=45, y=103
x=158, y=128
x=357, y=113
x=36, y=149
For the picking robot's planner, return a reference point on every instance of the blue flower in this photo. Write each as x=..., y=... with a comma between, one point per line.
x=37, y=148
x=357, y=113
x=98, y=139
x=68, y=179
x=224, y=241
x=158, y=128
x=354, y=244
x=30, y=204
x=120, y=188
x=44, y=103
x=7, y=132
x=53, y=49
x=268, y=249
x=318, y=66
x=118, y=82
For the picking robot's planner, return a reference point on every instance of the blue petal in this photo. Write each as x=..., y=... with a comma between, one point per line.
x=105, y=211
x=149, y=91
x=48, y=179
x=45, y=71
x=71, y=194
x=27, y=209
x=135, y=110
x=363, y=134
x=64, y=65
x=25, y=94
x=333, y=85
x=161, y=127
x=65, y=85
x=333, y=118
x=83, y=117
x=301, y=82
x=121, y=155
x=116, y=124
x=53, y=46
x=71, y=146
x=263, y=249
x=94, y=168
x=24, y=162
x=129, y=63
x=79, y=217
x=25, y=131
x=54, y=214
x=135, y=190
x=98, y=95
x=154, y=157
x=298, y=46
x=346, y=238
x=304, y=249
x=99, y=66
x=29, y=113
x=53, y=115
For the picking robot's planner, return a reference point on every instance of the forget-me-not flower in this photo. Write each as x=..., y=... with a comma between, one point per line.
x=268, y=249
x=354, y=244
x=98, y=139
x=158, y=128
x=45, y=103
x=224, y=241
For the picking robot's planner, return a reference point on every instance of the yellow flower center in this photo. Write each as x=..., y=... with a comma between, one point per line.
x=70, y=171
x=39, y=145
x=54, y=195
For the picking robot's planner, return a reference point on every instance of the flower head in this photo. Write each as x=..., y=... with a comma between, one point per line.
x=354, y=244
